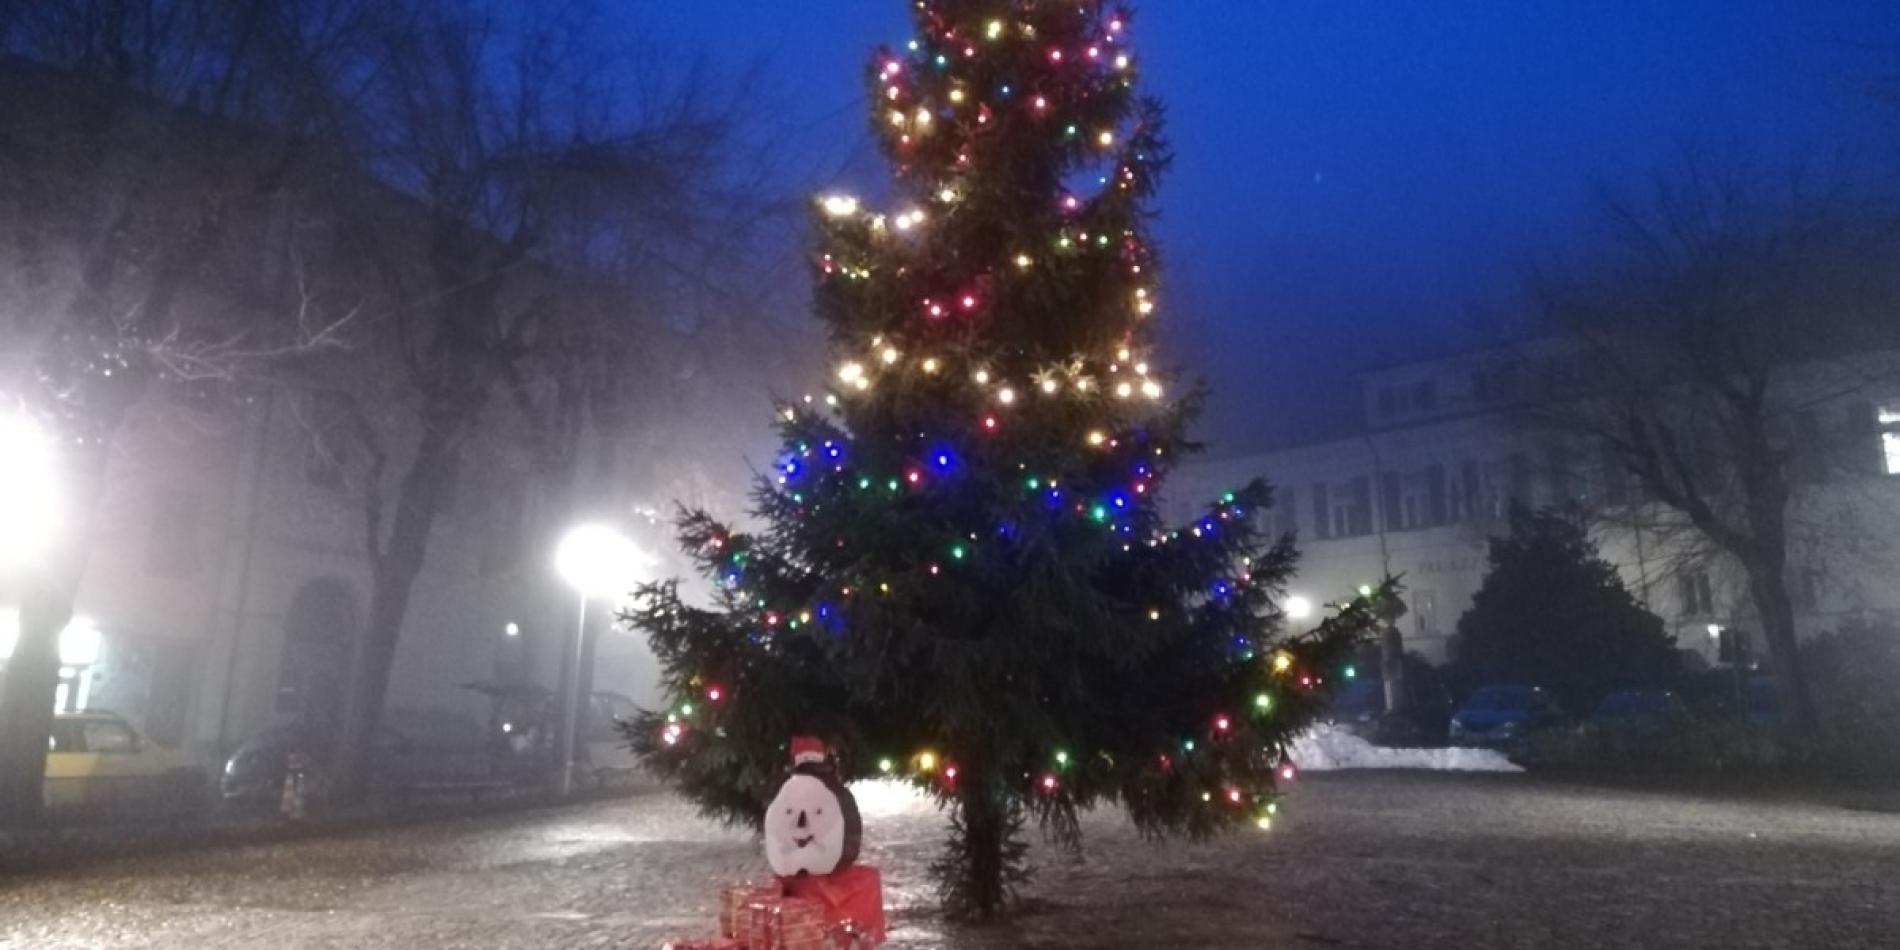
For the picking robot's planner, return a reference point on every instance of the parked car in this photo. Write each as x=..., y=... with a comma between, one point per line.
x=1499, y=715
x=96, y=762
x=1639, y=710
x=603, y=747
x=415, y=751
x=525, y=718
x=1359, y=705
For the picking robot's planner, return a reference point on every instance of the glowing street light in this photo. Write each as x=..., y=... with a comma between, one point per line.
x=78, y=640
x=29, y=491
x=598, y=562
x=1298, y=608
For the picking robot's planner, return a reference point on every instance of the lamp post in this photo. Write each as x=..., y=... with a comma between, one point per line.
x=596, y=561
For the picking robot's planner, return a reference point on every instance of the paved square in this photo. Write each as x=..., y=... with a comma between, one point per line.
x=1402, y=860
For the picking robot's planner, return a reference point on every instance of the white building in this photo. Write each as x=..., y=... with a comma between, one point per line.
x=1435, y=464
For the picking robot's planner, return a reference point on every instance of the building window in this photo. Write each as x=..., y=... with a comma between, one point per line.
x=1360, y=510
x=73, y=689
x=320, y=637
x=1388, y=402
x=1395, y=515
x=1888, y=418
x=1350, y=512
x=1692, y=589
x=1287, y=512
x=1322, y=512
x=1342, y=517
x=1425, y=396
x=1424, y=604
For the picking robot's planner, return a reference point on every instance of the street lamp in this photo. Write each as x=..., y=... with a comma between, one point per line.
x=596, y=561
x=1298, y=608
x=29, y=492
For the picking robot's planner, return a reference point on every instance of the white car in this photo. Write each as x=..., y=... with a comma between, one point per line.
x=96, y=762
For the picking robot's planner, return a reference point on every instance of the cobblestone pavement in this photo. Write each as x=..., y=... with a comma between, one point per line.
x=1358, y=860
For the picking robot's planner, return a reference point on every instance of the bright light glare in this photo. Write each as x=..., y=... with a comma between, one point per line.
x=29, y=491
x=1298, y=608
x=78, y=643
x=598, y=561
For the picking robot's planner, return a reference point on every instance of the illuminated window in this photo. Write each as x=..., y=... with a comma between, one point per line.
x=1889, y=419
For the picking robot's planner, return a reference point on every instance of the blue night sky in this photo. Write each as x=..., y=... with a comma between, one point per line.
x=1356, y=179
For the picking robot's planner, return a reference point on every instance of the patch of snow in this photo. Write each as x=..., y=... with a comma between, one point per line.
x=1326, y=748
x=889, y=798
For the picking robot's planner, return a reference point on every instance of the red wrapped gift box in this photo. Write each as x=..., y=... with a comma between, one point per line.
x=734, y=900
x=852, y=899
x=785, y=923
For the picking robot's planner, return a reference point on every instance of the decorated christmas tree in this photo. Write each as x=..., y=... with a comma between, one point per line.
x=962, y=577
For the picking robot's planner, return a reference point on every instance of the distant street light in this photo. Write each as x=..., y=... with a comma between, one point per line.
x=1298, y=608
x=29, y=491
x=598, y=562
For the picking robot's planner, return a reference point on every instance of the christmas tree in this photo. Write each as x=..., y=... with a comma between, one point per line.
x=963, y=577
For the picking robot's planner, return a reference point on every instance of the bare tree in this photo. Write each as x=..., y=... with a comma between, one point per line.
x=1733, y=316
x=122, y=176
x=520, y=210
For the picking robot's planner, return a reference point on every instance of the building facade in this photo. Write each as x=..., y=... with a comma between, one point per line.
x=1440, y=456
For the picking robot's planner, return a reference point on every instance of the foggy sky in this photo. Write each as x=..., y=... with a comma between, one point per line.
x=1357, y=178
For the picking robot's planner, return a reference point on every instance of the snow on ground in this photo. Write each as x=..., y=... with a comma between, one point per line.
x=1324, y=748
x=889, y=798
x=1327, y=748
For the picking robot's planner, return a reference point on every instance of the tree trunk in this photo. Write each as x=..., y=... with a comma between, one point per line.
x=418, y=502
x=1769, y=592
x=32, y=675
x=985, y=826
x=982, y=861
x=26, y=704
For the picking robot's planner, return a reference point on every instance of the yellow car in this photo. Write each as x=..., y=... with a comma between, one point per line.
x=98, y=764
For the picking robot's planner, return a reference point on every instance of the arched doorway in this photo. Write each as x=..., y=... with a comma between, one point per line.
x=320, y=634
